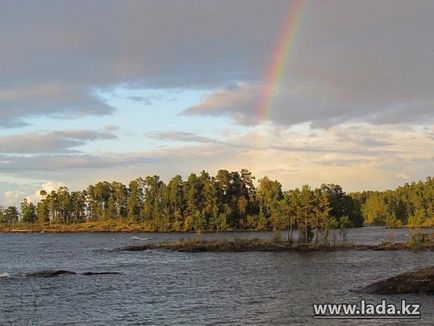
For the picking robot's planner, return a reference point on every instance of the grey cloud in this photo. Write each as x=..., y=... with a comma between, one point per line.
x=60, y=100
x=294, y=105
x=353, y=61
x=240, y=103
x=372, y=142
x=17, y=164
x=415, y=167
x=246, y=144
x=365, y=137
x=180, y=136
x=50, y=142
x=142, y=99
x=343, y=162
x=375, y=66
x=75, y=47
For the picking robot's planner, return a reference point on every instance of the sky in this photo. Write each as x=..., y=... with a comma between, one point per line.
x=303, y=91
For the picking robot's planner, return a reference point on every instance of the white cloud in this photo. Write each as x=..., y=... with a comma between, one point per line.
x=29, y=191
x=294, y=156
x=13, y=197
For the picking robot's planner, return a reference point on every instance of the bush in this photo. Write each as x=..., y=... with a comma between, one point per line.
x=416, y=241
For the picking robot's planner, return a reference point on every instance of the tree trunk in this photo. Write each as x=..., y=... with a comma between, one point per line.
x=289, y=227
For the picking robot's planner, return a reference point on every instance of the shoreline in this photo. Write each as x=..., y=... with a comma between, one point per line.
x=248, y=245
x=95, y=227
x=108, y=227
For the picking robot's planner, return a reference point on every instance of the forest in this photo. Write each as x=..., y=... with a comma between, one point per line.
x=228, y=201
x=409, y=205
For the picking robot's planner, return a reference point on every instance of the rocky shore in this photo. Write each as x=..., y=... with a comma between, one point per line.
x=420, y=281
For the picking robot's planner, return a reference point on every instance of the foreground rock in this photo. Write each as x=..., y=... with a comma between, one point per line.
x=420, y=281
x=50, y=273
x=58, y=272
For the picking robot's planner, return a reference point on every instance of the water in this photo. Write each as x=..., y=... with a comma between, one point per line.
x=170, y=288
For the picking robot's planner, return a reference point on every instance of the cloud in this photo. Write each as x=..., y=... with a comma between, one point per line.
x=239, y=102
x=351, y=65
x=49, y=186
x=297, y=158
x=13, y=197
x=142, y=99
x=372, y=142
x=51, y=142
x=110, y=128
x=403, y=176
x=180, y=136
x=54, y=57
x=365, y=136
x=374, y=66
x=12, y=194
x=58, y=163
x=295, y=104
x=59, y=100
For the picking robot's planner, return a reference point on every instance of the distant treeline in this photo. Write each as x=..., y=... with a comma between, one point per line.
x=411, y=204
x=228, y=201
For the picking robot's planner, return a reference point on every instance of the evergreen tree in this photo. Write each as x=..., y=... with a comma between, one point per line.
x=28, y=211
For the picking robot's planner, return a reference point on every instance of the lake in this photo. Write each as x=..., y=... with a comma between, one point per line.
x=172, y=288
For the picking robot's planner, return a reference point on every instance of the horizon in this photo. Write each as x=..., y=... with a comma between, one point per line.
x=300, y=91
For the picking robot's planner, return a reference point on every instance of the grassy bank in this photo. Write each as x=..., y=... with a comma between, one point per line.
x=101, y=226
x=242, y=245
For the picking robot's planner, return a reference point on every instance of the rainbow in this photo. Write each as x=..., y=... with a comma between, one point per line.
x=284, y=45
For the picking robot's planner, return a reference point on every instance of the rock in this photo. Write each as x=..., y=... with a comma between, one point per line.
x=57, y=272
x=420, y=281
x=137, y=248
x=50, y=273
x=100, y=273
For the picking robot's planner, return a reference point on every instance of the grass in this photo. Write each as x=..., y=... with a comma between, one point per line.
x=242, y=245
x=100, y=226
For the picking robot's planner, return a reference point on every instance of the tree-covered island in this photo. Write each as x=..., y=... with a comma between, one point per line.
x=226, y=201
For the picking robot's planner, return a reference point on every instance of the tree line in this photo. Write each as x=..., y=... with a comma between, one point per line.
x=229, y=201
x=411, y=204
x=226, y=201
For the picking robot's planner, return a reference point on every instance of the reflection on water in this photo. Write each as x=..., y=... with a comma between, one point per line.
x=160, y=287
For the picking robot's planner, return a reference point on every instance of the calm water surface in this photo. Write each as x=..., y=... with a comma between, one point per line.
x=170, y=288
